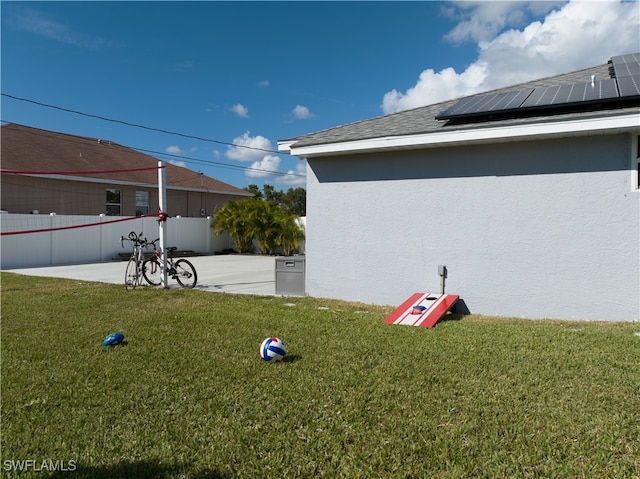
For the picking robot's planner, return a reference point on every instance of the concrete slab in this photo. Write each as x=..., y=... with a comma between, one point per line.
x=240, y=274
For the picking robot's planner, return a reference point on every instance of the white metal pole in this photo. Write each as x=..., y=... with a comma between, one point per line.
x=162, y=231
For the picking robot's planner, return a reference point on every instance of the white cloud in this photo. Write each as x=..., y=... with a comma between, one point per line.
x=433, y=86
x=482, y=20
x=173, y=150
x=178, y=163
x=577, y=35
x=240, y=110
x=38, y=23
x=295, y=177
x=176, y=150
x=265, y=167
x=263, y=84
x=255, y=151
x=269, y=167
x=301, y=112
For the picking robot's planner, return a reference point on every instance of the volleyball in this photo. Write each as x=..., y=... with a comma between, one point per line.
x=272, y=349
x=113, y=339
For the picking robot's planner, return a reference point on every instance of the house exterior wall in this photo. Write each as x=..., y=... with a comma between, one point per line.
x=23, y=194
x=538, y=229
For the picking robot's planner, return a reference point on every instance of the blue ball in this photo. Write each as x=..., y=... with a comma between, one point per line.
x=113, y=339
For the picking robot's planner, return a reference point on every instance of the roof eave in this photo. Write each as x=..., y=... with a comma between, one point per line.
x=138, y=184
x=285, y=145
x=498, y=134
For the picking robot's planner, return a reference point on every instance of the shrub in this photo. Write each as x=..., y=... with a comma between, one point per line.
x=274, y=229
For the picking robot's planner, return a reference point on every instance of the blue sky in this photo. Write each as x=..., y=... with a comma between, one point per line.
x=252, y=73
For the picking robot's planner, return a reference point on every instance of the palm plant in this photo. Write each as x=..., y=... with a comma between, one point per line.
x=274, y=228
x=235, y=218
x=264, y=226
x=289, y=233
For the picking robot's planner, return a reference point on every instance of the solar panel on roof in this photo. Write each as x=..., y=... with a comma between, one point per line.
x=512, y=100
x=628, y=58
x=572, y=94
x=478, y=104
x=626, y=65
x=497, y=102
x=541, y=96
x=488, y=103
x=459, y=108
x=576, y=93
x=623, y=70
x=626, y=85
x=564, y=94
x=627, y=71
x=483, y=104
x=599, y=90
x=629, y=86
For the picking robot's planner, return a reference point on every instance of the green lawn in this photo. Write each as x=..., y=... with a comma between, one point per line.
x=188, y=395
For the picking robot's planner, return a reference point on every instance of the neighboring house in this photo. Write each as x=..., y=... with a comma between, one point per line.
x=125, y=193
x=529, y=195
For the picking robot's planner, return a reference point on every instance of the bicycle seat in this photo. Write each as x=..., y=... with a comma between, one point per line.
x=171, y=249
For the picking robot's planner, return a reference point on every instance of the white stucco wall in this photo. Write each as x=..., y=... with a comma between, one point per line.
x=529, y=229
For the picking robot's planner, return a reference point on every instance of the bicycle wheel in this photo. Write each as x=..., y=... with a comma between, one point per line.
x=152, y=272
x=131, y=275
x=185, y=274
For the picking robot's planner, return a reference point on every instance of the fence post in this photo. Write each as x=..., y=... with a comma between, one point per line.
x=209, y=245
x=51, y=241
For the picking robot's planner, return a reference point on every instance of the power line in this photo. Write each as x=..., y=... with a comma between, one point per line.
x=188, y=159
x=135, y=125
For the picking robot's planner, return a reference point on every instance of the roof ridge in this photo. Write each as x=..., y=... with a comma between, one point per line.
x=88, y=138
x=523, y=85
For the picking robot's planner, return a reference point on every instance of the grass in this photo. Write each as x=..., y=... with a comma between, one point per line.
x=187, y=395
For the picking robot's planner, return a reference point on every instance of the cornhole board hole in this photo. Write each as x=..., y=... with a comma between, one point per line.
x=422, y=309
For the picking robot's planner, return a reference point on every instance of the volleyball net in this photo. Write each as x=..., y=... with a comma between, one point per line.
x=59, y=200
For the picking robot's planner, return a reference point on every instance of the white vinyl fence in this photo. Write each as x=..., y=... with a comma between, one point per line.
x=100, y=242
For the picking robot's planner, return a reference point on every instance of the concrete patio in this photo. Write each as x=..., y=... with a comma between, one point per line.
x=240, y=274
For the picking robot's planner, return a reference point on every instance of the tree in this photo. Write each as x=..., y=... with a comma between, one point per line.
x=272, y=196
x=257, y=194
x=294, y=200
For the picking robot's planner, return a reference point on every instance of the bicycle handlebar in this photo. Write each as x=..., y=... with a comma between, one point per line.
x=136, y=239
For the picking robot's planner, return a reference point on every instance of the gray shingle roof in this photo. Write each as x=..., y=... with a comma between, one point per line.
x=422, y=120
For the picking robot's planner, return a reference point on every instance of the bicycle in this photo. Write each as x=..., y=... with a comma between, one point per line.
x=134, y=272
x=181, y=270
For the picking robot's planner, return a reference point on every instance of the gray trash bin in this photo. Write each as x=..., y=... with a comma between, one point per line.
x=290, y=275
